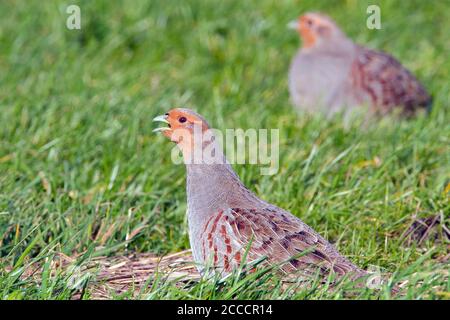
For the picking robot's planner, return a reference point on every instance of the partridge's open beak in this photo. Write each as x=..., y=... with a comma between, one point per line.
x=294, y=25
x=162, y=118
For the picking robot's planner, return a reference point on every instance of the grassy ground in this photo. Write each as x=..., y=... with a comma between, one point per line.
x=80, y=168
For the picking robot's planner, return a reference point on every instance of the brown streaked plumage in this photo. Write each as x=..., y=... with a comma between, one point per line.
x=330, y=73
x=226, y=219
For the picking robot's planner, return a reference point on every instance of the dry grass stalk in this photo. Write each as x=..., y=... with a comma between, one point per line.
x=110, y=276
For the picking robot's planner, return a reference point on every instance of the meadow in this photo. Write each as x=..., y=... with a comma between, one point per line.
x=81, y=170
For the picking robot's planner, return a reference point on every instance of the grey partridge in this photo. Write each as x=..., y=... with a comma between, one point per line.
x=227, y=221
x=330, y=73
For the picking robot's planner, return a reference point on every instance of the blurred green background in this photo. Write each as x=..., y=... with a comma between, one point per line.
x=81, y=169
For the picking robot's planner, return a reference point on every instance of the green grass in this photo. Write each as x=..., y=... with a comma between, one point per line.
x=77, y=155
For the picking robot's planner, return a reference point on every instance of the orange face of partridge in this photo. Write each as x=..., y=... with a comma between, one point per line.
x=312, y=29
x=180, y=129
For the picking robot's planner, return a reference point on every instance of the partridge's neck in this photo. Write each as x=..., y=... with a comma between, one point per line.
x=341, y=46
x=213, y=187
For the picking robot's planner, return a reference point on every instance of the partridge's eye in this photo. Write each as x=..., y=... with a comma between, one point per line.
x=309, y=22
x=182, y=119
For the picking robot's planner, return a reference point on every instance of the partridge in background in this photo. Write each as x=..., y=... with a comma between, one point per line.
x=227, y=221
x=330, y=73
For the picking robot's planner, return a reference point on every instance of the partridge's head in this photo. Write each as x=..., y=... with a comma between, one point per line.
x=316, y=29
x=182, y=125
